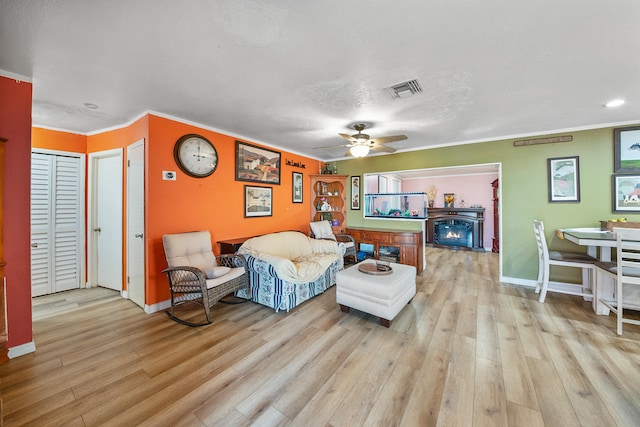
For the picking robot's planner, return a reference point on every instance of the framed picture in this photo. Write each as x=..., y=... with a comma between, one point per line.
x=625, y=193
x=355, y=192
x=257, y=164
x=297, y=187
x=257, y=201
x=564, y=179
x=626, y=145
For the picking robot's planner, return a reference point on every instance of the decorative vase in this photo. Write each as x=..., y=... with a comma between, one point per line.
x=449, y=200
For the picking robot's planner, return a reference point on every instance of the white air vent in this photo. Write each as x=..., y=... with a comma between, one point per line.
x=404, y=90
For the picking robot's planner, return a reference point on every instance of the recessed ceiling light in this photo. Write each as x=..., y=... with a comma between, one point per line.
x=90, y=106
x=614, y=103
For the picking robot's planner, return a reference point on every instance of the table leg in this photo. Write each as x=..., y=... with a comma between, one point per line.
x=588, y=283
x=605, y=286
x=605, y=254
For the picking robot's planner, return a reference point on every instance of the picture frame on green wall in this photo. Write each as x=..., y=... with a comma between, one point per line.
x=626, y=149
x=625, y=193
x=563, y=174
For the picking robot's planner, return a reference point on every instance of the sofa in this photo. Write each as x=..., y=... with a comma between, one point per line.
x=288, y=268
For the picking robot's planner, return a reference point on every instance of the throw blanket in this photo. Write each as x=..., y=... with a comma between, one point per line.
x=296, y=258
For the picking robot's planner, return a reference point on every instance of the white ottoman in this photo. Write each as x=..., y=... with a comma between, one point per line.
x=379, y=295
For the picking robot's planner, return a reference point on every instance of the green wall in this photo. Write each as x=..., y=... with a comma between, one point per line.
x=524, y=189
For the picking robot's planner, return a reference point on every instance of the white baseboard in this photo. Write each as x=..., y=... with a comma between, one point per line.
x=530, y=283
x=21, y=350
x=162, y=305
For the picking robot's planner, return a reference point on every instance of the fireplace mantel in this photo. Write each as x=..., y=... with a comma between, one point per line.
x=473, y=217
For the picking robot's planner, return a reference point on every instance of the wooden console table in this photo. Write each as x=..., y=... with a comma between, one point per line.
x=406, y=246
x=231, y=246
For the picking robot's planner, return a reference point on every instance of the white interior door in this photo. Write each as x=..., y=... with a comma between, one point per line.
x=106, y=219
x=41, y=195
x=57, y=222
x=135, y=223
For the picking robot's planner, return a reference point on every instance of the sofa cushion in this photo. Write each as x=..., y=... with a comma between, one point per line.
x=322, y=230
x=215, y=272
x=285, y=244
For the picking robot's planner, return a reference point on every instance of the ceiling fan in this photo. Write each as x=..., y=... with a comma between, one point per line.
x=360, y=143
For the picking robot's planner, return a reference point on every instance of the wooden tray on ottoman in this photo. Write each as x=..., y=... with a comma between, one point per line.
x=371, y=268
x=608, y=225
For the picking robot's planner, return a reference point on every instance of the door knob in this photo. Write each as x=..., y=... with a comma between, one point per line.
x=98, y=229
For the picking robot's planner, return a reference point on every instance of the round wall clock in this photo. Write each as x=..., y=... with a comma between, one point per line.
x=195, y=155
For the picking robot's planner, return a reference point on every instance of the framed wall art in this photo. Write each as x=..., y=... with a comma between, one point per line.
x=625, y=193
x=355, y=193
x=563, y=174
x=258, y=201
x=297, y=187
x=257, y=164
x=626, y=149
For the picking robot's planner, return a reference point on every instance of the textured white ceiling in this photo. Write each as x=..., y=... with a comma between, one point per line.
x=294, y=74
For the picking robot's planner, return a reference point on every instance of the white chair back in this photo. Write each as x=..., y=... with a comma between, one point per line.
x=189, y=249
x=627, y=269
x=541, y=241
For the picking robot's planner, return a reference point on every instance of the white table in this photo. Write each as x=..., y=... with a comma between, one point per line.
x=595, y=240
x=599, y=244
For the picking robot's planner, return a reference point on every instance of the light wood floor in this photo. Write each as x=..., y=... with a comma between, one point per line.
x=467, y=351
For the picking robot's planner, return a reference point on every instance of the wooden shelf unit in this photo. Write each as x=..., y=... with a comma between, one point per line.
x=407, y=244
x=334, y=191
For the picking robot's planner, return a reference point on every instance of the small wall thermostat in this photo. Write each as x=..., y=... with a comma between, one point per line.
x=168, y=175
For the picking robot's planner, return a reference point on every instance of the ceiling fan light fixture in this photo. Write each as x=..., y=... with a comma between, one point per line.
x=359, y=150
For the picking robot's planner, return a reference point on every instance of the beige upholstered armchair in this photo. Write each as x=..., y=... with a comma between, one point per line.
x=323, y=230
x=196, y=275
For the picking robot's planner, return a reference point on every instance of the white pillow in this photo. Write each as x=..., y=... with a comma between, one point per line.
x=322, y=230
x=215, y=272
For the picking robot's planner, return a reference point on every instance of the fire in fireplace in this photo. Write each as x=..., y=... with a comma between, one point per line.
x=455, y=228
x=459, y=234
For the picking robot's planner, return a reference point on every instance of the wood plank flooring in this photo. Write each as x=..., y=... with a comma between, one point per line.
x=468, y=351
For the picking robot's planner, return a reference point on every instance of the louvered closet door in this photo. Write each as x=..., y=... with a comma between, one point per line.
x=56, y=223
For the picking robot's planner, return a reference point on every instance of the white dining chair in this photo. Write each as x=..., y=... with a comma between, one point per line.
x=626, y=273
x=547, y=258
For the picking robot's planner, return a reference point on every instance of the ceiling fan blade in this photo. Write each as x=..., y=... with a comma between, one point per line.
x=348, y=137
x=386, y=139
x=330, y=146
x=348, y=153
x=384, y=148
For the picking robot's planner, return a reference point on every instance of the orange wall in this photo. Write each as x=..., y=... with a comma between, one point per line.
x=57, y=140
x=15, y=125
x=215, y=203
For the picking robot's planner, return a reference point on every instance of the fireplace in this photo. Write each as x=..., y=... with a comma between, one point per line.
x=457, y=234
x=455, y=228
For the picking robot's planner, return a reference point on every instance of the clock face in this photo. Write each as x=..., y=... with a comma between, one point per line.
x=195, y=156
